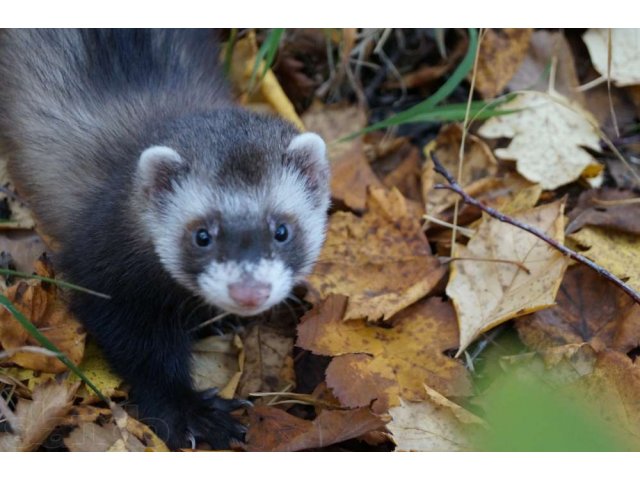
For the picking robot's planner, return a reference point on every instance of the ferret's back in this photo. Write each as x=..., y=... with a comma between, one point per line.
x=77, y=105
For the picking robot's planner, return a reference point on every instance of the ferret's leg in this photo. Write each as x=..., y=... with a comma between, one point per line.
x=153, y=356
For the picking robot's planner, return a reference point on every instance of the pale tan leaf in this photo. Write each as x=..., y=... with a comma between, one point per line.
x=548, y=133
x=625, y=53
x=486, y=292
x=435, y=425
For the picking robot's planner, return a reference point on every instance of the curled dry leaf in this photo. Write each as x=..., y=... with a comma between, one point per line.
x=268, y=361
x=589, y=310
x=381, y=260
x=274, y=430
x=218, y=362
x=616, y=251
x=506, y=272
x=351, y=173
x=479, y=164
x=37, y=418
x=625, y=59
x=501, y=53
x=434, y=425
x=375, y=363
x=607, y=207
x=548, y=134
x=40, y=303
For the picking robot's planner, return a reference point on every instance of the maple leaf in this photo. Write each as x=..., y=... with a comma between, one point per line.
x=382, y=260
x=375, y=363
x=486, y=292
x=625, y=59
x=548, y=132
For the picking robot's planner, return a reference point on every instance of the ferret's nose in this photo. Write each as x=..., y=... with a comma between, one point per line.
x=249, y=293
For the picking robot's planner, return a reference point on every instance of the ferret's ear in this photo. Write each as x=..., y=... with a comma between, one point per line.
x=309, y=153
x=156, y=168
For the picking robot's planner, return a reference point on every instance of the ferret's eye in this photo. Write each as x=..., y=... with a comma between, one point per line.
x=281, y=234
x=202, y=237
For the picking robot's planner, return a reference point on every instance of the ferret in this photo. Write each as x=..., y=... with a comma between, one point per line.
x=161, y=193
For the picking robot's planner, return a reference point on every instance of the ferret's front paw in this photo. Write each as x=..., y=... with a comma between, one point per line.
x=209, y=420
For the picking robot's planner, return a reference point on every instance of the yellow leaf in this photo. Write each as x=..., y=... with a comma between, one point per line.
x=381, y=260
x=616, y=251
x=548, y=133
x=486, y=292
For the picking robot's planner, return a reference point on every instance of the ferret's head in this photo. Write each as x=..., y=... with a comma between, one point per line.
x=236, y=207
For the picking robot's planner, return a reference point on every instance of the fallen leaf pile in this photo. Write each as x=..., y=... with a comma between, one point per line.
x=405, y=336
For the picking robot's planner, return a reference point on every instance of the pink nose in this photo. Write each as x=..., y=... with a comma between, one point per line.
x=249, y=293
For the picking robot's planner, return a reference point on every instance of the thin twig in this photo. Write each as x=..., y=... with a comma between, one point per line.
x=520, y=265
x=455, y=187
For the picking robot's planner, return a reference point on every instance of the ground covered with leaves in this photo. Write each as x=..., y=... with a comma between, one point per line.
x=427, y=324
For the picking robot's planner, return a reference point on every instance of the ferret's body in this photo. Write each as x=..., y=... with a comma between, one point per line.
x=159, y=193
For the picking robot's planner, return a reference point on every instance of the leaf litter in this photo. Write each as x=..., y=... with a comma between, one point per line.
x=393, y=344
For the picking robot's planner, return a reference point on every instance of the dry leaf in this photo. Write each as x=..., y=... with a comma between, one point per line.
x=406, y=356
x=39, y=302
x=533, y=73
x=625, y=53
x=486, y=293
x=21, y=216
x=435, y=425
x=37, y=418
x=548, y=133
x=268, y=361
x=501, y=53
x=589, y=309
x=97, y=370
x=351, y=173
x=273, y=430
x=381, y=260
x=607, y=207
x=617, y=252
x=218, y=362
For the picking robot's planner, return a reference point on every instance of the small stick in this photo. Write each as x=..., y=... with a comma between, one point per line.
x=455, y=187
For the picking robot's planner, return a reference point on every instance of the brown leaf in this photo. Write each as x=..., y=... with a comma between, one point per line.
x=506, y=272
x=479, y=163
x=268, y=361
x=40, y=303
x=405, y=356
x=606, y=207
x=351, y=173
x=273, y=430
x=381, y=260
x=544, y=46
x=500, y=56
x=589, y=309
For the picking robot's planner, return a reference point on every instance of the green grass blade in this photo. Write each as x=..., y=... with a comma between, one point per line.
x=442, y=93
x=228, y=51
x=266, y=53
x=46, y=343
x=60, y=283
